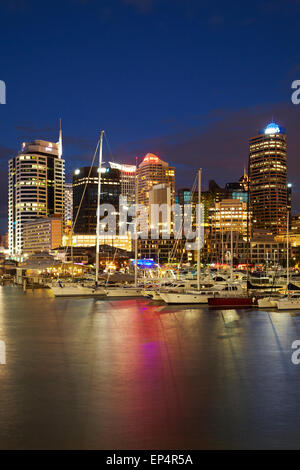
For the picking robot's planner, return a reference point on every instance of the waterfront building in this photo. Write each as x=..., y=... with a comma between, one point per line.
x=268, y=179
x=263, y=249
x=36, y=183
x=229, y=215
x=123, y=242
x=42, y=235
x=164, y=251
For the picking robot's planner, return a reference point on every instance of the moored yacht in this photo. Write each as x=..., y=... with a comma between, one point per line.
x=289, y=302
x=73, y=290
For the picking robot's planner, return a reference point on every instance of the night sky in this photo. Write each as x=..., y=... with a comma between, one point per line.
x=190, y=81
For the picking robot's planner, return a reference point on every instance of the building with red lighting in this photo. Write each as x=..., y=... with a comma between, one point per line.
x=152, y=171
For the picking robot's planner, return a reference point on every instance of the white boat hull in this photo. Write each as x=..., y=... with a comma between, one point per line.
x=123, y=292
x=267, y=302
x=152, y=294
x=183, y=298
x=77, y=291
x=288, y=304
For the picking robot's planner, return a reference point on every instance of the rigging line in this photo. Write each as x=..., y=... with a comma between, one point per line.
x=109, y=147
x=82, y=196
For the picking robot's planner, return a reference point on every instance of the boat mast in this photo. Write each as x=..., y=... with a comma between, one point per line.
x=287, y=253
x=98, y=207
x=231, y=250
x=199, y=229
x=135, y=230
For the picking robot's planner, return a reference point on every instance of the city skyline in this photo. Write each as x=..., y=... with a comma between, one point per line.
x=145, y=104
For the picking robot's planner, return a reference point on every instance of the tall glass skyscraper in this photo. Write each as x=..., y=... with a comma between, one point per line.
x=268, y=179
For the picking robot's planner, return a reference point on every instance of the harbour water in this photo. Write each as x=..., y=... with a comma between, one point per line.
x=134, y=374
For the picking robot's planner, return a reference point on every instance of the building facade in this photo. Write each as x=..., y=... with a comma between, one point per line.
x=127, y=180
x=85, y=190
x=42, y=235
x=36, y=183
x=268, y=179
x=68, y=203
x=152, y=171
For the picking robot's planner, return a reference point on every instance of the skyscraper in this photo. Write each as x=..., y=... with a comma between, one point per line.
x=151, y=171
x=110, y=193
x=36, y=180
x=128, y=179
x=268, y=179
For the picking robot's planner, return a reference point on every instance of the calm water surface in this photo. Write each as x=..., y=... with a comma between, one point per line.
x=134, y=374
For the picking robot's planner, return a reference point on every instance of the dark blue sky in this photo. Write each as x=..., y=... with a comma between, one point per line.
x=188, y=80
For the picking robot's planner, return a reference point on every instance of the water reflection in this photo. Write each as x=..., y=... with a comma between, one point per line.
x=124, y=374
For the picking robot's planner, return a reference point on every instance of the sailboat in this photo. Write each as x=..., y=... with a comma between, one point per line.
x=234, y=296
x=128, y=291
x=290, y=301
x=73, y=289
x=274, y=300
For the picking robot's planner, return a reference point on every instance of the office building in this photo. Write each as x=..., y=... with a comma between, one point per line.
x=127, y=180
x=85, y=191
x=268, y=179
x=152, y=171
x=36, y=183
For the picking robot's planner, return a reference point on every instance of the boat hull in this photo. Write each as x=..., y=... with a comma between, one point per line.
x=266, y=302
x=152, y=294
x=77, y=291
x=123, y=292
x=288, y=305
x=178, y=298
x=230, y=302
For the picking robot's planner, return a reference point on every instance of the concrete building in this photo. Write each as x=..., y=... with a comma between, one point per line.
x=268, y=179
x=160, y=216
x=36, y=182
x=42, y=235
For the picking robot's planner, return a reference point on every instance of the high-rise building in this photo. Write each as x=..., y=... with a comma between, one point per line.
x=110, y=192
x=127, y=179
x=268, y=179
x=36, y=182
x=151, y=171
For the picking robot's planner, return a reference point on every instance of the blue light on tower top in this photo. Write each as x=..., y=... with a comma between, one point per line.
x=272, y=129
